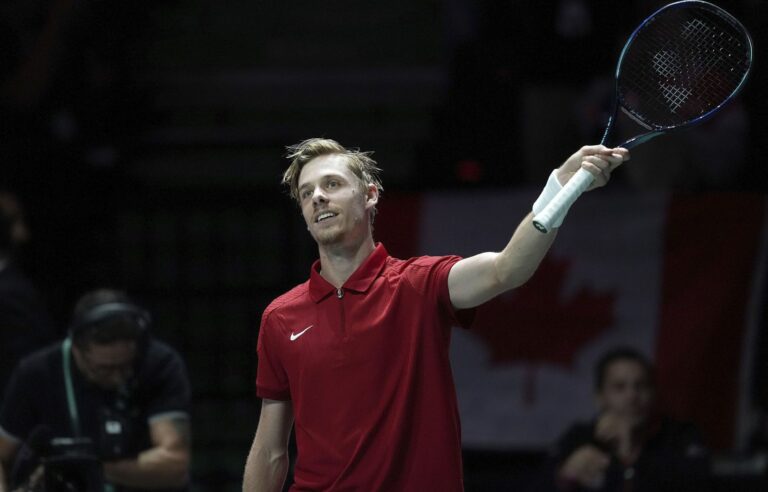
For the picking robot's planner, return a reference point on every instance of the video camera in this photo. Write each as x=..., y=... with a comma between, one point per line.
x=71, y=465
x=74, y=463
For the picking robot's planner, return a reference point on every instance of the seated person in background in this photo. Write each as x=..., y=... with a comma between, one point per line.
x=109, y=383
x=25, y=325
x=627, y=447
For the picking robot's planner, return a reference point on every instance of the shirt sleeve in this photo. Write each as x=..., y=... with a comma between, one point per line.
x=170, y=393
x=430, y=276
x=271, y=378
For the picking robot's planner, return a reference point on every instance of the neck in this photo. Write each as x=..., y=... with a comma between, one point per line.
x=339, y=262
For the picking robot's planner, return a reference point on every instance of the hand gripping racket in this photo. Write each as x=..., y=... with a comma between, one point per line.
x=678, y=68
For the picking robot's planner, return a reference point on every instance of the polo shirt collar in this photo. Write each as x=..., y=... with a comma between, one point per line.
x=360, y=281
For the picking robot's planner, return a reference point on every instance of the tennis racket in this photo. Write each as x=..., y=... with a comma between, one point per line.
x=678, y=68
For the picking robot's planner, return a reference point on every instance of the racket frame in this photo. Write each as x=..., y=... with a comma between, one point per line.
x=582, y=179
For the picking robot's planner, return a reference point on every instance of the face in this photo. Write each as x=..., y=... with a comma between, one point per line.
x=626, y=390
x=107, y=365
x=333, y=203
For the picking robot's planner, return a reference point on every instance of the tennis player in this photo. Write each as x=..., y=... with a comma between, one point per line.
x=356, y=358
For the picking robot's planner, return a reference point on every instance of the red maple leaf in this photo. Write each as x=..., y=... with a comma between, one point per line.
x=536, y=324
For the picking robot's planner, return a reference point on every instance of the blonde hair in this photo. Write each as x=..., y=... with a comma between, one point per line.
x=360, y=163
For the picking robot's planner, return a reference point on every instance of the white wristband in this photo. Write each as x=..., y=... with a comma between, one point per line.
x=551, y=189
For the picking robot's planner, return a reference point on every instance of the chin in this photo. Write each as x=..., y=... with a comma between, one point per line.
x=327, y=236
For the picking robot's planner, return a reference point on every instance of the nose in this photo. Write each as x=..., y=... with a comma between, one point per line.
x=318, y=196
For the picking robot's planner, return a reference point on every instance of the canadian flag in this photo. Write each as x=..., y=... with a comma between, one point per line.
x=679, y=277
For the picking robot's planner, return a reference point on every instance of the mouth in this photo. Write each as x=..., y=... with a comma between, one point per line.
x=324, y=216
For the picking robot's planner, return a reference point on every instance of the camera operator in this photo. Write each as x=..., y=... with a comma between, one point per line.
x=109, y=394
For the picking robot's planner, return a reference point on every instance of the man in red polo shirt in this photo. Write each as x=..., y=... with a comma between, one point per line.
x=356, y=358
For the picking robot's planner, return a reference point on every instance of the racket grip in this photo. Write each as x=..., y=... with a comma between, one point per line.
x=559, y=205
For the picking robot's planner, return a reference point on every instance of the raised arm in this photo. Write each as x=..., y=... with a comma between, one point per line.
x=477, y=279
x=165, y=465
x=267, y=463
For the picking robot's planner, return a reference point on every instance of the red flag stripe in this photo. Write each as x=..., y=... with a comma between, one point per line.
x=710, y=244
x=397, y=226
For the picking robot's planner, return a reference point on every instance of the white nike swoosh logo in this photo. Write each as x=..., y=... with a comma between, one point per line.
x=294, y=336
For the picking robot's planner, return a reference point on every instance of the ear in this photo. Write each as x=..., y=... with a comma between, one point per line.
x=371, y=196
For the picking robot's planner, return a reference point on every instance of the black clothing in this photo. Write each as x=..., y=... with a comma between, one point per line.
x=25, y=325
x=36, y=399
x=671, y=460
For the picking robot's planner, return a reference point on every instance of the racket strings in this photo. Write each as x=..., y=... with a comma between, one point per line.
x=682, y=65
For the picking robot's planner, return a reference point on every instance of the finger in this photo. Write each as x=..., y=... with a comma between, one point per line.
x=603, y=461
x=594, y=149
x=597, y=464
x=598, y=181
x=600, y=161
x=624, y=153
x=615, y=160
x=616, y=155
x=599, y=168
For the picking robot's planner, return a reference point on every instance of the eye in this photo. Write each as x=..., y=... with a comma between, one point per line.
x=306, y=193
x=333, y=183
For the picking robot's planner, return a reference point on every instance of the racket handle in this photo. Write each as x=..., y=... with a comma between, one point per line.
x=560, y=204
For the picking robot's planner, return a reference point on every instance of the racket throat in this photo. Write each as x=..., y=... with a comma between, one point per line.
x=610, y=128
x=636, y=119
x=637, y=140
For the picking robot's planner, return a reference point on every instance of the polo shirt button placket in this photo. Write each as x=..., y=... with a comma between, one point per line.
x=342, y=314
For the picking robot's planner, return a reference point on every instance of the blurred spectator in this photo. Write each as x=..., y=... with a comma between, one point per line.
x=70, y=108
x=122, y=396
x=24, y=321
x=628, y=446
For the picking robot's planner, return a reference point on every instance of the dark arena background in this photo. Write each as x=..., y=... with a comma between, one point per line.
x=145, y=140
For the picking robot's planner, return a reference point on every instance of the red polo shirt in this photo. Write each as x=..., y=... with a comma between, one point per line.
x=367, y=371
